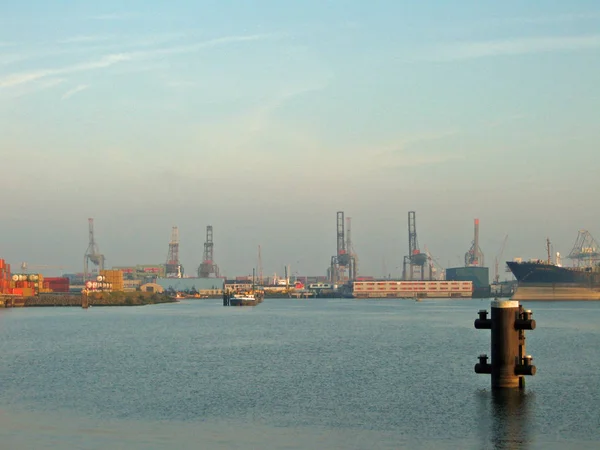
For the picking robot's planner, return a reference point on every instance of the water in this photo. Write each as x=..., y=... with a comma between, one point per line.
x=291, y=374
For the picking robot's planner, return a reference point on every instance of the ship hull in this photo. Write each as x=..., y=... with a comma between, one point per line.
x=554, y=292
x=542, y=281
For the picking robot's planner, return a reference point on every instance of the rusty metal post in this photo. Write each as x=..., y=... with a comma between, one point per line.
x=509, y=363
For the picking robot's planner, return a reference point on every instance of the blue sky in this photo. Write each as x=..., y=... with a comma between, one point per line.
x=265, y=120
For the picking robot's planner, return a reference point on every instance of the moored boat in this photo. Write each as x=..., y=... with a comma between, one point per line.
x=549, y=280
x=252, y=298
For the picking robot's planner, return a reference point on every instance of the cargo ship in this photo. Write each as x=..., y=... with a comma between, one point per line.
x=548, y=280
x=544, y=280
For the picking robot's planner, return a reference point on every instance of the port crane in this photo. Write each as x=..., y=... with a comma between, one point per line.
x=434, y=266
x=415, y=257
x=497, y=259
x=92, y=254
x=586, y=251
x=208, y=266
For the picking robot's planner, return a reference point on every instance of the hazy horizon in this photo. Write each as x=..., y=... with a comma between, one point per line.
x=264, y=120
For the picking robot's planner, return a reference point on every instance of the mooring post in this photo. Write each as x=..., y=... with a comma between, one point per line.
x=509, y=363
x=225, y=298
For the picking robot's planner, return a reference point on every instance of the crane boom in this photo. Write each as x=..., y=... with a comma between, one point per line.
x=497, y=259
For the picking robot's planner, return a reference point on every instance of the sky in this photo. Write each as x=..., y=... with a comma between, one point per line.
x=265, y=118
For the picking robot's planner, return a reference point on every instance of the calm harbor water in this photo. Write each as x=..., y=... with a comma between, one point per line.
x=291, y=374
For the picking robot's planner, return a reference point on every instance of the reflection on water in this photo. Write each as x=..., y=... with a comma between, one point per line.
x=505, y=419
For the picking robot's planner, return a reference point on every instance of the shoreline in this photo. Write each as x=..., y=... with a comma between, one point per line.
x=134, y=298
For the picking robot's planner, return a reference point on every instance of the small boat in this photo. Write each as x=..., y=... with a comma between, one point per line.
x=243, y=298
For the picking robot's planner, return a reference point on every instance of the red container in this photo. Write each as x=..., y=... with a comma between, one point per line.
x=57, y=279
x=57, y=284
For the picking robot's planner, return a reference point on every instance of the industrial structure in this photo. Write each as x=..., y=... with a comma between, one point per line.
x=343, y=263
x=92, y=254
x=260, y=267
x=350, y=249
x=415, y=261
x=497, y=261
x=474, y=257
x=208, y=266
x=436, y=271
x=173, y=268
x=473, y=270
x=411, y=289
x=585, y=252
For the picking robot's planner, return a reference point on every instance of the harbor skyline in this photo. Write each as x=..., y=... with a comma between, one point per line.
x=265, y=121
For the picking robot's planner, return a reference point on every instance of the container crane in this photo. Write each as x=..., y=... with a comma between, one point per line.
x=415, y=257
x=497, y=259
x=92, y=254
x=436, y=271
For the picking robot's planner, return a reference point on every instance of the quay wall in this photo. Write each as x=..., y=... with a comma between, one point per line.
x=94, y=299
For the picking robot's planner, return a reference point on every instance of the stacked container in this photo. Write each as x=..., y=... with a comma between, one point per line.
x=56, y=284
x=114, y=278
x=4, y=277
x=26, y=285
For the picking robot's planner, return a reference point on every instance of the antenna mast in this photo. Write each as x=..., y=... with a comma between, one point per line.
x=260, y=267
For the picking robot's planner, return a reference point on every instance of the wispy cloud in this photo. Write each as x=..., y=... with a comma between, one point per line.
x=559, y=18
x=114, y=16
x=518, y=22
x=91, y=44
x=481, y=49
x=74, y=91
x=112, y=59
x=26, y=77
x=8, y=59
x=86, y=39
x=191, y=48
x=23, y=90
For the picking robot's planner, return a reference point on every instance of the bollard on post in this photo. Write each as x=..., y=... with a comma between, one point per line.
x=509, y=362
